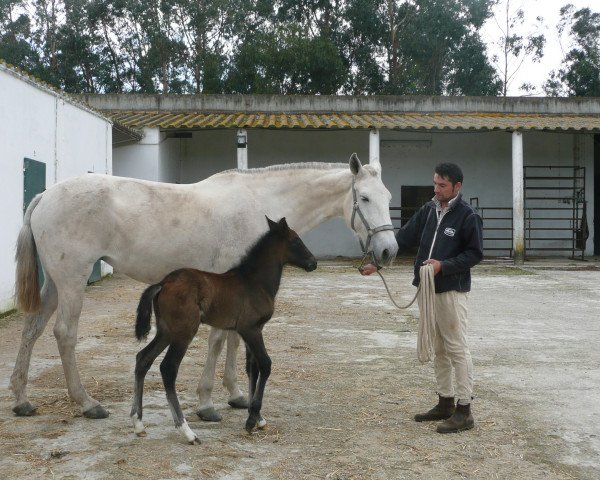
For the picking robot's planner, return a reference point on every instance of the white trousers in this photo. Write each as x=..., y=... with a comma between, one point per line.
x=452, y=353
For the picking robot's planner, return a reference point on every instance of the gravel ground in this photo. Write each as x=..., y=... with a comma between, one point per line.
x=344, y=387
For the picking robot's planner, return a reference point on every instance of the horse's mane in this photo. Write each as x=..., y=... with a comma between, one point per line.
x=248, y=261
x=287, y=166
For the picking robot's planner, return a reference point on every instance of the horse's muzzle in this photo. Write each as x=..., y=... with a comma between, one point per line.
x=310, y=266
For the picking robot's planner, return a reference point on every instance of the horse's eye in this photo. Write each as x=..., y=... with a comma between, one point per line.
x=364, y=199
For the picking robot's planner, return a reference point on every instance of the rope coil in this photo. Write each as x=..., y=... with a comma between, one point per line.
x=426, y=300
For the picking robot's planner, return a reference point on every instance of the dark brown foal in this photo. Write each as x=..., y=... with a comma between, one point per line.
x=241, y=299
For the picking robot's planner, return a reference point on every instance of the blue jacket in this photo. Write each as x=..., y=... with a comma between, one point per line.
x=458, y=243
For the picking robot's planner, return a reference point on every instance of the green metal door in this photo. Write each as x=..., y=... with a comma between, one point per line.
x=34, y=182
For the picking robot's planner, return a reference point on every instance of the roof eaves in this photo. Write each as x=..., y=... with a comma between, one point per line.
x=50, y=89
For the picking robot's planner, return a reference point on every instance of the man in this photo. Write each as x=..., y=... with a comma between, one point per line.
x=449, y=236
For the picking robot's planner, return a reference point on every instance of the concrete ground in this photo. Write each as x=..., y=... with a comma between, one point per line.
x=344, y=387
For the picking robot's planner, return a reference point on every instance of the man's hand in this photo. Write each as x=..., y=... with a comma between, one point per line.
x=367, y=269
x=437, y=265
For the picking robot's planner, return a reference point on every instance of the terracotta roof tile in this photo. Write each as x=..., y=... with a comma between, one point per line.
x=392, y=121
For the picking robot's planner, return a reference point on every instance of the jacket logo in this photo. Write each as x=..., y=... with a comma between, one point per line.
x=449, y=231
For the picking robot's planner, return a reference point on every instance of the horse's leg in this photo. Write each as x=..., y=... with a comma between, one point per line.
x=33, y=327
x=168, y=369
x=258, y=364
x=251, y=371
x=236, y=397
x=206, y=409
x=144, y=360
x=70, y=302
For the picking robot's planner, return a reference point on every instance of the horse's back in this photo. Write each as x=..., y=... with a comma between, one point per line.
x=144, y=229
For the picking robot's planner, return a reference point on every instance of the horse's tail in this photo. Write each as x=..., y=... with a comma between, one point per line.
x=27, y=284
x=144, y=311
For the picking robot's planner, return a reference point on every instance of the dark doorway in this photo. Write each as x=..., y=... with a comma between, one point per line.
x=596, y=194
x=412, y=198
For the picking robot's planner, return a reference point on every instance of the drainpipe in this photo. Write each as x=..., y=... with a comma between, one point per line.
x=374, y=148
x=518, y=199
x=242, y=151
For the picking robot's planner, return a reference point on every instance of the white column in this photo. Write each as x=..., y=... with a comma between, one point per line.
x=518, y=199
x=242, y=150
x=374, y=148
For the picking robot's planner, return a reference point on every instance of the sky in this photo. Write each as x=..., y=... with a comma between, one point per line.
x=535, y=73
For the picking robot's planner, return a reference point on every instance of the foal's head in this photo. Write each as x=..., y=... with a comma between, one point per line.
x=292, y=249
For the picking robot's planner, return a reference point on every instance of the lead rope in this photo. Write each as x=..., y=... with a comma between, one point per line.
x=426, y=294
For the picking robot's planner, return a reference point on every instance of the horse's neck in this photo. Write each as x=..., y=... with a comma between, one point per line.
x=265, y=275
x=306, y=197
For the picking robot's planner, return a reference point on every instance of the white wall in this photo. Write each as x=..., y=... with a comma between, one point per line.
x=407, y=158
x=43, y=125
x=140, y=160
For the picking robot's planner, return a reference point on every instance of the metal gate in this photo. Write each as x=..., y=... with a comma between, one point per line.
x=555, y=214
x=555, y=209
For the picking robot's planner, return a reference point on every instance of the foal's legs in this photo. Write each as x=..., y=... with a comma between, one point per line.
x=70, y=302
x=168, y=369
x=258, y=367
x=216, y=339
x=33, y=327
x=144, y=360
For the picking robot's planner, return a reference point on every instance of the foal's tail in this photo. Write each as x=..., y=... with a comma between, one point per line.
x=27, y=284
x=144, y=311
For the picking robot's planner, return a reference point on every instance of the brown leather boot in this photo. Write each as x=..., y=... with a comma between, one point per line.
x=443, y=410
x=459, y=421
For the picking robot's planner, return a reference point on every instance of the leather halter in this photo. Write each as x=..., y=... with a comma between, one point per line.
x=371, y=232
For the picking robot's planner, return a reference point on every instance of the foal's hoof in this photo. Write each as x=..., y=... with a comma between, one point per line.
x=239, y=402
x=24, y=410
x=209, y=414
x=250, y=424
x=96, y=412
x=195, y=441
x=261, y=424
x=255, y=422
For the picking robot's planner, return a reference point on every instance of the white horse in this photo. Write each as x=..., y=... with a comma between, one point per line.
x=147, y=229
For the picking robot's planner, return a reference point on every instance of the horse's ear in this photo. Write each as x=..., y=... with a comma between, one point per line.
x=355, y=165
x=272, y=224
x=283, y=223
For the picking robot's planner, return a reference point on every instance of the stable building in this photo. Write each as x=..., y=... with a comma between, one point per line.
x=531, y=164
x=46, y=136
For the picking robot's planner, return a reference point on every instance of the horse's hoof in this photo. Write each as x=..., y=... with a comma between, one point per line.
x=250, y=427
x=196, y=441
x=209, y=414
x=96, y=412
x=239, y=402
x=142, y=433
x=261, y=424
x=25, y=410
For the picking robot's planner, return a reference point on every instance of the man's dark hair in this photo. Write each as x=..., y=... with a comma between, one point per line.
x=451, y=171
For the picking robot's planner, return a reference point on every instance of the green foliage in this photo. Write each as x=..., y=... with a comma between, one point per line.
x=252, y=46
x=580, y=72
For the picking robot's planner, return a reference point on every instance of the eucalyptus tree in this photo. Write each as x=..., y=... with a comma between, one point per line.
x=15, y=35
x=288, y=47
x=419, y=47
x=579, y=74
x=520, y=41
x=79, y=61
